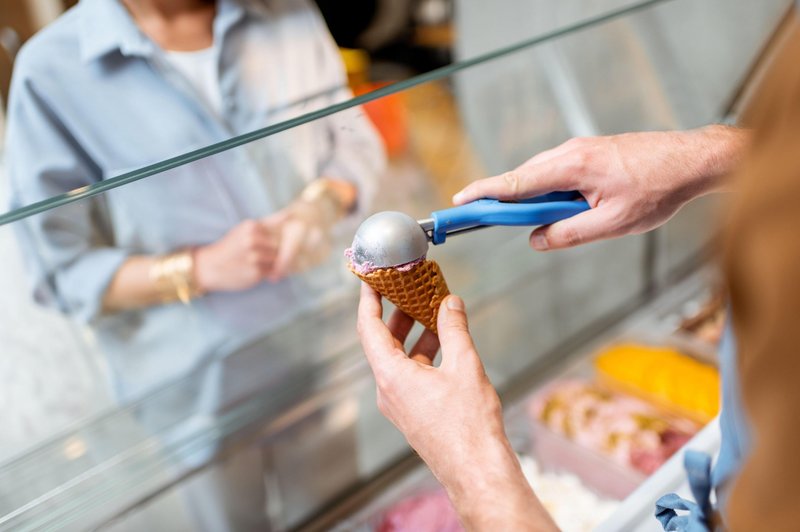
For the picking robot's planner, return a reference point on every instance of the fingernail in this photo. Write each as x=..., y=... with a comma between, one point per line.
x=457, y=197
x=454, y=303
x=539, y=242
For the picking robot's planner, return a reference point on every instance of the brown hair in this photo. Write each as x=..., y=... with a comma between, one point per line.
x=761, y=260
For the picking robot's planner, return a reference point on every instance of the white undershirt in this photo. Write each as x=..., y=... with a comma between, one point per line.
x=200, y=71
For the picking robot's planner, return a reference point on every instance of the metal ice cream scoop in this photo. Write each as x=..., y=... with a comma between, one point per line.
x=392, y=238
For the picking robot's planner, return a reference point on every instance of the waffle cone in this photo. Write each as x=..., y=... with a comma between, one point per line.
x=418, y=292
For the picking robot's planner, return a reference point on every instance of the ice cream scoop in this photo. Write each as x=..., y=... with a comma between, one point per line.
x=390, y=239
x=387, y=239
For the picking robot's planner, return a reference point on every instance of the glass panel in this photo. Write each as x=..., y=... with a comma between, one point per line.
x=169, y=135
x=254, y=403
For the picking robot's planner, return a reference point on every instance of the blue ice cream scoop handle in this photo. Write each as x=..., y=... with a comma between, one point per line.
x=541, y=210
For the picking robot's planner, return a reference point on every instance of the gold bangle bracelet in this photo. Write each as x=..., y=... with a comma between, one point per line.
x=173, y=277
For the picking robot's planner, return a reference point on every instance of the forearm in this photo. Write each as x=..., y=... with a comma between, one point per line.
x=719, y=150
x=492, y=494
x=131, y=287
x=144, y=281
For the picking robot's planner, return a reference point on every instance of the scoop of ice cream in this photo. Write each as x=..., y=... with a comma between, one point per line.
x=389, y=239
x=362, y=268
x=367, y=267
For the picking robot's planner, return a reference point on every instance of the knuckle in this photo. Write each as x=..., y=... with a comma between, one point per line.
x=571, y=236
x=457, y=325
x=387, y=383
x=620, y=221
x=576, y=142
x=511, y=180
x=579, y=156
x=580, y=160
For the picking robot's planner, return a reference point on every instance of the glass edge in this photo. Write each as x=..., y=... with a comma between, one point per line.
x=239, y=140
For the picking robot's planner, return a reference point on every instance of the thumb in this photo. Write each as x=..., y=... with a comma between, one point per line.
x=456, y=342
x=292, y=238
x=589, y=226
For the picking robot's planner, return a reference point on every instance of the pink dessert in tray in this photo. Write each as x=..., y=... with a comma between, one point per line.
x=425, y=512
x=630, y=431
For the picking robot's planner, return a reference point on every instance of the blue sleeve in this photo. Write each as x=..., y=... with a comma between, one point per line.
x=68, y=251
x=696, y=515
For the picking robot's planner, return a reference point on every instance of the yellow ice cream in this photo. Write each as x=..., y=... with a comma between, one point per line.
x=666, y=375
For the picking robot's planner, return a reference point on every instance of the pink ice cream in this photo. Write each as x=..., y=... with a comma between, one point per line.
x=368, y=267
x=427, y=512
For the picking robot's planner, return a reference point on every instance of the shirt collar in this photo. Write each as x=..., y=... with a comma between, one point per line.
x=107, y=26
x=229, y=12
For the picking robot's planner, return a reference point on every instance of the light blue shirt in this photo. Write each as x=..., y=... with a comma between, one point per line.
x=93, y=97
x=736, y=442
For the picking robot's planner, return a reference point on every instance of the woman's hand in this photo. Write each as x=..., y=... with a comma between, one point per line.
x=451, y=415
x=634, y=182
x=244, y=257
x=304, y=238
x=305, y=225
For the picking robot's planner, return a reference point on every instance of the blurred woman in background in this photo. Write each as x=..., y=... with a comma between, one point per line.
x=175, y=272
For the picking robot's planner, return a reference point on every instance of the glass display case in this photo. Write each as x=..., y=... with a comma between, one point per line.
x=254, y=409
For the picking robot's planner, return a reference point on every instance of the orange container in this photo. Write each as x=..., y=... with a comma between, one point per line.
x=390, y=116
